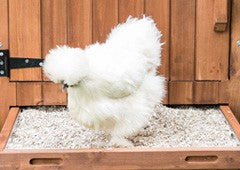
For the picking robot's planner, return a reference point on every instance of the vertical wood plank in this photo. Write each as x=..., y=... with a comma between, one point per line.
x=180, y=92
x=159, y=11
x=206, y=92
x=53, y=95
x=220, y=15
x=234, y=97
x=7, y=89
x=4, y=24
x=235, y=37
x=234, y=85
x=25, y=36
x=79, y=23
x=182, y=40
x=223, y=92
x=54, y=32
x=105, y=17
x=211, y=47
x=8, y=97
x=54, y=25
x=135, y=8
x=29, y=94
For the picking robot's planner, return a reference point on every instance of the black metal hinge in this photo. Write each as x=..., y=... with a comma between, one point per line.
x=7, y=63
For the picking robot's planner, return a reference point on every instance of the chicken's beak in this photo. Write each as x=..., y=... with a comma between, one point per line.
x=64, y=85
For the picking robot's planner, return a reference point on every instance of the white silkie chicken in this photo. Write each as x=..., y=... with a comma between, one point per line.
x=114, y=85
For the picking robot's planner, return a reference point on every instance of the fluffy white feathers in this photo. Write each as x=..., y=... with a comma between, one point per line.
x=66, y=64
x=114, y=84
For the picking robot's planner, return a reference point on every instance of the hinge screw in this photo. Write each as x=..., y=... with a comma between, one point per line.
x=238, y=43
x=1, y=54
x=1, y=62
x=27, y=61
x=1, y=72
x=41, y=64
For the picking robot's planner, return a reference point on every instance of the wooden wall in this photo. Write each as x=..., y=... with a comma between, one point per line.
x=233, y=85
x=195, y=58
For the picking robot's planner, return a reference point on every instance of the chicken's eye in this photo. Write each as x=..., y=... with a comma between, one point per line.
x=64, y=85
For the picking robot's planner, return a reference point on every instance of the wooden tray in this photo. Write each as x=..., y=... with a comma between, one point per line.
x=120, y=158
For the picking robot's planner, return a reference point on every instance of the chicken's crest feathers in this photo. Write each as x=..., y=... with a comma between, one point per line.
x=138, y=34
x=65, y=64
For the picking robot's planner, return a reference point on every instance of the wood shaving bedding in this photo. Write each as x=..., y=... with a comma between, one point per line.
x=53, y=128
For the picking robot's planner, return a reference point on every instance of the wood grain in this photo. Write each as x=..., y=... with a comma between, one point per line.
x=160, y=12
x=135, y=8
x=234, y=97
x=223, y=92
x=8, y=98
x=220, y=15
x=7, y=128
x=79, y=23
x=234, y=88
x=25, y=36
x=53, y=95
x=7, y=89
x=206, y=92
x=182, y=40
x=235, y=36
x=105, y=17
x=29, y=94
x=4, y=24
x=180, y=93
x=134, y=158
x=231, y=119
x=53, y=25
x=211, y=47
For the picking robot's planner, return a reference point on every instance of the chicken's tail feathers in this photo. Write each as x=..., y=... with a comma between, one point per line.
x=141, y=34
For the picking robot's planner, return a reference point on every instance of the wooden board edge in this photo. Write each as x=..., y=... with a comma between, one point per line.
x=127, y=150
x=200, y=158
x=7, y=127
x=231, y=119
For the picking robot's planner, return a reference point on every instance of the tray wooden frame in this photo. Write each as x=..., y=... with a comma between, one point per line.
x=120, y=158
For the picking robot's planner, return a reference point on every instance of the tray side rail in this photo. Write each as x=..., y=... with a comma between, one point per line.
x=7, y=128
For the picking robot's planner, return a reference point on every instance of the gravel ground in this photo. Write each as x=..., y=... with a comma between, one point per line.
x=53, y=128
